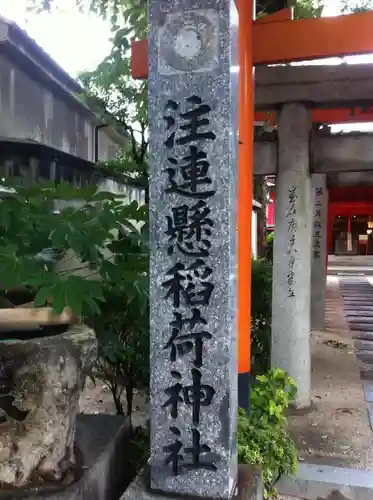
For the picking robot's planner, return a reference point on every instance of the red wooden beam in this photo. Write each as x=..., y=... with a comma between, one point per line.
x=139, y=49
x=330, y=116
x=315, y=38
x=293, y=40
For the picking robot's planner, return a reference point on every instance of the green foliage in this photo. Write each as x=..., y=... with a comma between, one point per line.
x=262, y=436
x=261, y=315
x=29, y=225
x=306, y=8
x=356, y=6
x=121, y=101
x=123, y=325
x=122, y=322
x=122, y=329
x=270, y=243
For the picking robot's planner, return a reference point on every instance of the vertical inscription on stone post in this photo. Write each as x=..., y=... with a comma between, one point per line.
x=317, y=223
x=292, y=235
x=193, y=141
x=319, y=250
x=189, y=231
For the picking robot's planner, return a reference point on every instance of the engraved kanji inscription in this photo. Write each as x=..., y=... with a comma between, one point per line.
x=189, y=228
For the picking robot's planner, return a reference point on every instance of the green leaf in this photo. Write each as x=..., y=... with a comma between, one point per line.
x=59, y=300
x=42, y=296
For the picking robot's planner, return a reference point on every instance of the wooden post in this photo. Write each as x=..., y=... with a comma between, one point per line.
x=245, y=196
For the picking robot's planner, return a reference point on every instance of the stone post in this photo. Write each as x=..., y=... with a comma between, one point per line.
x=319, y=250
x=193, y=134
x=292, y=251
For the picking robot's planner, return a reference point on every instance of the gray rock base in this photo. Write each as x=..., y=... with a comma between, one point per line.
x=102, y=440
x=40, y=383
x=249, y=487
x=314, y=482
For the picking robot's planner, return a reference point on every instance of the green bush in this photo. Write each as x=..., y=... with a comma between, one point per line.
x=122, y=325
x=262, y=436
x=269, y=248
x=261, y=315
x=122, y=331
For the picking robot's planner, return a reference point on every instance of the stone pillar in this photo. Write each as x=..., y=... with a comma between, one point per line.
x=319, y=250
x=292, y=254
x=193, y=134
x=349, y=235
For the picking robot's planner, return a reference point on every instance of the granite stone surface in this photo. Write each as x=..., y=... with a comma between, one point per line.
x=249, y=486
x=193, y=147
x=291, y=303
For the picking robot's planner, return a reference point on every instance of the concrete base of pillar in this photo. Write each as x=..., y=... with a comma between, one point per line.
x=249, y=487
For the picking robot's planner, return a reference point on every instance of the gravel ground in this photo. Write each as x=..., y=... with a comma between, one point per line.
x=96, y=398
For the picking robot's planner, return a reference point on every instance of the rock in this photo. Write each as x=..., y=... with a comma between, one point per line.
x=40, y=383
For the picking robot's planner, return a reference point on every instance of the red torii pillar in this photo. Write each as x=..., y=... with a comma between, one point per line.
x=245, y=195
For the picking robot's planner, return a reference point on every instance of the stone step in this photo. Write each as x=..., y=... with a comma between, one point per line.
x=359, y=300
x=356, y=294
x=359, y=308
x=362, y=327
x=356, y=289
x=365, y=356
x=367, y=301
x=355, y=286
x=352, y=309
x=356, y=311
x=358, y=297
x=368, y=390
x=354, y=283
x=360, y=319
x=363, y=345
x=366, y=375
x=363, y=335
x=325, y=481
x=370, y=414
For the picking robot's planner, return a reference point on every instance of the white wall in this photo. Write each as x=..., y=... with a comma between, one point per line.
x=32, y=110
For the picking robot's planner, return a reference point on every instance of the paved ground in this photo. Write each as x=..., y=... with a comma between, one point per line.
x=357, y=293
x=336, y=431
x=351, y=264
x=96, y=398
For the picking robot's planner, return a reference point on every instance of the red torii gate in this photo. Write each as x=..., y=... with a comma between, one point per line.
x=295, y=40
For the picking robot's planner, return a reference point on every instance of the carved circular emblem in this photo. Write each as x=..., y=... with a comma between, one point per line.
x=188, y=43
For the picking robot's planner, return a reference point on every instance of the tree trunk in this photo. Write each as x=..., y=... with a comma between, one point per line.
x=129, y=397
